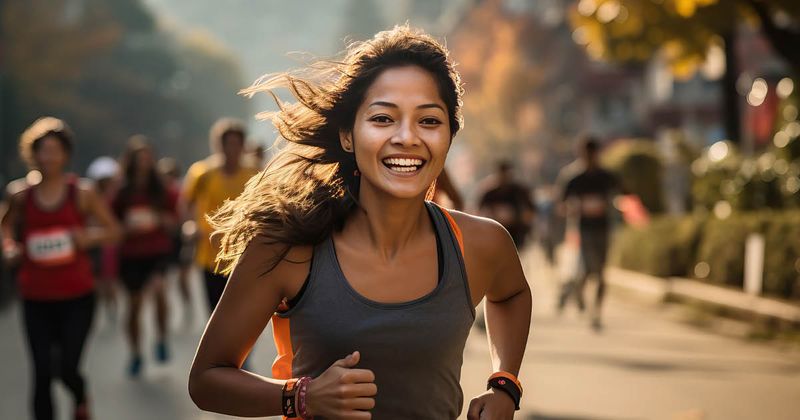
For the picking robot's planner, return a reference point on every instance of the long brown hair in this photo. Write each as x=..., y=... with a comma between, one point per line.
x=310, y=186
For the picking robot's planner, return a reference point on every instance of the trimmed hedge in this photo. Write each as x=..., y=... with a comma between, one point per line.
x=674, y=246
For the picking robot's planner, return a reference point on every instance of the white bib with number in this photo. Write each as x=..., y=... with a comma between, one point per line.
x=141, y=219
x=51, y=247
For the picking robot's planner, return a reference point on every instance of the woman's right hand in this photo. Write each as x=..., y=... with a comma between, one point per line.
x=342, y=392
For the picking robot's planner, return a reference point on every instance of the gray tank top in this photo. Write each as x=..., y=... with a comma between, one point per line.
x=414, y=348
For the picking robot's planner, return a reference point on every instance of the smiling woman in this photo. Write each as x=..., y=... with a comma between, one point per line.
x=337, y=244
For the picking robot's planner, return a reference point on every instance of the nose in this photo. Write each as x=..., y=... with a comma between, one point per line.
x=405, y=136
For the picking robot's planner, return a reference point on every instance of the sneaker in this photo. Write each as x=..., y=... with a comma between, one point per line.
x=162, y=352
x=135, y=367
x=82, y=411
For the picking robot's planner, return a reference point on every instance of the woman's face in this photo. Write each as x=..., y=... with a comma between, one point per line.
x=401, y=133
x=50, y=155
x=144, y=160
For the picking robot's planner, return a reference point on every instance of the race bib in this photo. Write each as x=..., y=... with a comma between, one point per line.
x=51, y=247
x=141, y=219
x=593, y=205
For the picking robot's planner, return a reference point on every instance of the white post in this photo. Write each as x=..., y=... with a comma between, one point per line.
x=754, y=264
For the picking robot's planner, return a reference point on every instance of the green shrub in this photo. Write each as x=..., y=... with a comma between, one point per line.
x=782, y=259
x=664, y=248
x=675, y=246
x=721, y=246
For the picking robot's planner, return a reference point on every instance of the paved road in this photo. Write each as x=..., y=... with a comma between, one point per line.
x=645, y=365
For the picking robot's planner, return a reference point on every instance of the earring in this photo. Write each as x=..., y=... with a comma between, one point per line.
x=356, y=173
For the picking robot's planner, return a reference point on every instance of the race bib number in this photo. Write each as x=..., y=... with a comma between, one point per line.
x=593, y=205
x=51, y=247
x=141, y=219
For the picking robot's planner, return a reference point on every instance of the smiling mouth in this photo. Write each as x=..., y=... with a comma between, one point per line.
x=403, y=165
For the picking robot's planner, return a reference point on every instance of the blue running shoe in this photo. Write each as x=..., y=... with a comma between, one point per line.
x=135, y=367
x=162, y=352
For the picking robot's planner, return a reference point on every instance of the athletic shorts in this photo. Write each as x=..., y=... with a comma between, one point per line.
x=136, y=273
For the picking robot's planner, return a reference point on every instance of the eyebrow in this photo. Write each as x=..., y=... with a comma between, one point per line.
x=393, y=105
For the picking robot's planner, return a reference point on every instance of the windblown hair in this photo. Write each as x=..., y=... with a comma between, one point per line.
x=310, y=186
x=29, y=141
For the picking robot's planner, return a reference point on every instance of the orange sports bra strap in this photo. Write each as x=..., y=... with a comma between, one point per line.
x=454, y=226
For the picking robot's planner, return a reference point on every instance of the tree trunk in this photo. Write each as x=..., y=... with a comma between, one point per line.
x=731, y=113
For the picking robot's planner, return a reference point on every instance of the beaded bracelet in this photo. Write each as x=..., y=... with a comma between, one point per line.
x=302, y=392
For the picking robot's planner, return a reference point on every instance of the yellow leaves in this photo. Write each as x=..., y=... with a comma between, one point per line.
x=687, y=8
x=684, y=68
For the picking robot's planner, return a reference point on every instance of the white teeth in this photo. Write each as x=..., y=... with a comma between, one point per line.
x=403, y=162
x=403, y=168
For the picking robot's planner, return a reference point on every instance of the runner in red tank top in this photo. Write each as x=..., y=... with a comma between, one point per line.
x=147, y=209
x=44, y=229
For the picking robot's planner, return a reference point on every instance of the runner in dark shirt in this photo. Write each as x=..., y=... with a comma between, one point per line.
x=588, y=191
x=509, y=203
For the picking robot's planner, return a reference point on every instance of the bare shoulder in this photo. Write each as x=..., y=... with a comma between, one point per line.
x=16, y=189
x=264, y=263
x=483, y=236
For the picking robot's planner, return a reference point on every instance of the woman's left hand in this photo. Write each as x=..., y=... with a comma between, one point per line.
x=493, y=404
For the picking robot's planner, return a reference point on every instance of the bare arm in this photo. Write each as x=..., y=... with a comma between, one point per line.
x=508, y=309
x=216, y=382
x=494, y=271
x=11, y=205
x=109, y=231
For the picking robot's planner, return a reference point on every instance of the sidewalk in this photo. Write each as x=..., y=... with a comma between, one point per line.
x=721, y=300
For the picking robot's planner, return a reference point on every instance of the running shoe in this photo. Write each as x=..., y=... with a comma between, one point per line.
x=162, y=352
x=135, y=367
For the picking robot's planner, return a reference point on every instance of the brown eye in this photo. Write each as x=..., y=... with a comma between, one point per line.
x=381, y=119
x=430, y=121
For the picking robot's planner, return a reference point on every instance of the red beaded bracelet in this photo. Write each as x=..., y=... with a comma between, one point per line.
x=302, y=392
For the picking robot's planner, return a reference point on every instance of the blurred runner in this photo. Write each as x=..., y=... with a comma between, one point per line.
x=208, y=184
x=45, y=230
x=509, y=203
x=587, y=196
x=146, y=206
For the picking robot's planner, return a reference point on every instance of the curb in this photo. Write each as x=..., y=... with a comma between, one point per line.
x=728, y=301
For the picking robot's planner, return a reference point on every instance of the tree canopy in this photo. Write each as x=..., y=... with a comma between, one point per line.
x=108, y=70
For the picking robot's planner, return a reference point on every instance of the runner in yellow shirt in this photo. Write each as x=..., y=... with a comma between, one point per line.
x=208, y=184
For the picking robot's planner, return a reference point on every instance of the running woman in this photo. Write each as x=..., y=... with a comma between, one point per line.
x=45, y=230
x=371, y=288
x=146, y=206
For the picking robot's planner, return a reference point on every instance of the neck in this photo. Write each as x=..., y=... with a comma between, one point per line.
x=51, y=180
x=230, y=165
x=387, y=224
